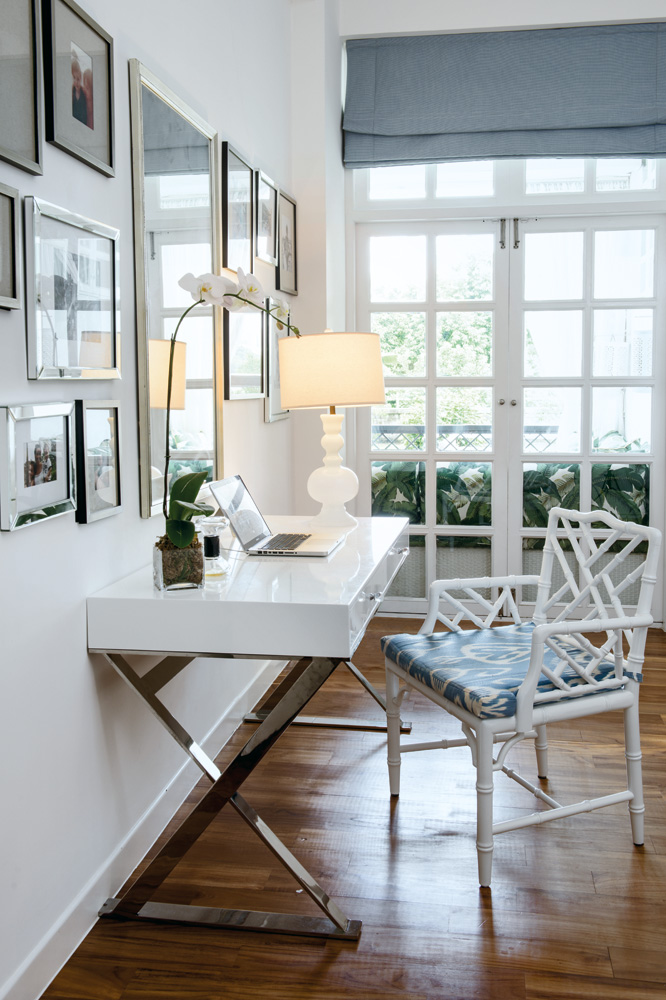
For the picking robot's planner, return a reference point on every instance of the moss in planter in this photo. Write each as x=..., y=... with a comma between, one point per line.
x=181, y=566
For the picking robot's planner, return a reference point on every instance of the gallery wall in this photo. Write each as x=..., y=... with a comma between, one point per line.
x=88, y=777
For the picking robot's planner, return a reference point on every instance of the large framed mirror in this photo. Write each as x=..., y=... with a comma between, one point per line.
x=175, y=184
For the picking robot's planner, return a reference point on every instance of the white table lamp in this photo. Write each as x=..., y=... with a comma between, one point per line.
x=331, y=369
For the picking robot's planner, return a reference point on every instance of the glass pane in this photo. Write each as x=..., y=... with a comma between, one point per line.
x=553, y=344
x=403, y=340
x=626, y=175
x=465, y=267
x=631, y=562
x=464, y=419
x=469, y=179
x=548, y=485
x=532, y=557
x=464, y=493
x=553, y=266
x=178, y=191
x=622, y=342
x=624, y=490
x=551, y=419
x=411, y=578
x=464, y=343
x=554, y=176
x=398, y=490
x=192, y=429
x=197, y=333
x=399, y=425
x=397, y=268
x=460, y=557
x=390, y=183
x=624, y=264
x=621, y=418
x=177, y=260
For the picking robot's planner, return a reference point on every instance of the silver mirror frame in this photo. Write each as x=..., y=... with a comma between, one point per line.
x=141, y=77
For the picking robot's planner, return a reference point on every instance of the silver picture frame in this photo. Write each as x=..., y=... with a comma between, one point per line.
x=21, y=123
x=99, y=486
x=10, y=249
x=272, y=405
x=37, y=463
x=244, y=353
x=265, y=218
x=72, y=294
x=286, y=272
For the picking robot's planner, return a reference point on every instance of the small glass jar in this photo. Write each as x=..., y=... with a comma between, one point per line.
x=215, y=564
x=178, y=569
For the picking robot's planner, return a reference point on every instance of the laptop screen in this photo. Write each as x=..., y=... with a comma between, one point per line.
x=238, y=506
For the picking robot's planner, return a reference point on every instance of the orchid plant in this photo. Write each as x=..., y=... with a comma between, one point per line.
x=180, y=505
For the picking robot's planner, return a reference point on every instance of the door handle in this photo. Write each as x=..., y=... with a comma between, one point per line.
x=514, y=402
x=501, y=402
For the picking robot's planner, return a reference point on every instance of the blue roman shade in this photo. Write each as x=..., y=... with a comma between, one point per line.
x=590, y=91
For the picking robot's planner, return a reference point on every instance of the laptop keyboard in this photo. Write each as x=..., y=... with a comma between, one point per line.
x=284, y=541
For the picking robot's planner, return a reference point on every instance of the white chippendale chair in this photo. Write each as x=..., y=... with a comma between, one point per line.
x=505, y=684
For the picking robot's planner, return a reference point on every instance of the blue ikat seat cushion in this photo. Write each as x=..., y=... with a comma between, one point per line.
x=481, y=670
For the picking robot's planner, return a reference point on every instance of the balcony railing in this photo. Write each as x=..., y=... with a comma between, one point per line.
x=537, y=438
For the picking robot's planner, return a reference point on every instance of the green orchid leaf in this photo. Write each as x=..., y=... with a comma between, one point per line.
x=181, y=533
x=185, y=491
x=198, y=508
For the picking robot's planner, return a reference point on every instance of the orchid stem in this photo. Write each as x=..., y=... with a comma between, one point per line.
x=168, y=405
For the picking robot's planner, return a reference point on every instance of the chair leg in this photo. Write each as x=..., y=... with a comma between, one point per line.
x=484, y=804
x=393, y=730
x=541, y=747
x=632, y=752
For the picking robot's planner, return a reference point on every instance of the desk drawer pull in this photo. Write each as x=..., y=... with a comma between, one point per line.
x=375, y=595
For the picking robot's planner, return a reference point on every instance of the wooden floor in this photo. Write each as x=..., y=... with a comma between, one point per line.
x=575, y=910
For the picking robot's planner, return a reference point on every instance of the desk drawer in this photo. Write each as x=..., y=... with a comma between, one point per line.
x=370, y=598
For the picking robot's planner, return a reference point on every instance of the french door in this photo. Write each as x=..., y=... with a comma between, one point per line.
x=522, y=362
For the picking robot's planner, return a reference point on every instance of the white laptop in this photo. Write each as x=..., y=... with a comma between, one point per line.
x=252, y=531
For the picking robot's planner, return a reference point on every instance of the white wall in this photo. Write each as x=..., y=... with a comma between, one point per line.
x=364, y=18
x=88, y=777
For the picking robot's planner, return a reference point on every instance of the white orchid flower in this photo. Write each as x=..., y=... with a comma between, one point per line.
x=210, y=287
x=281, y=309
x=250, y=288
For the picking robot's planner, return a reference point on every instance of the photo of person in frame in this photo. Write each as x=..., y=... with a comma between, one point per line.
x=82, y=83
x=40, y=463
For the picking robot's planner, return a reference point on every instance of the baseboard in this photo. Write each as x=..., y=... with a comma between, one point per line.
x=47, y=958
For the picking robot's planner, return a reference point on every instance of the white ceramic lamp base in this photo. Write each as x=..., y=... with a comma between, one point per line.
x=333, y=485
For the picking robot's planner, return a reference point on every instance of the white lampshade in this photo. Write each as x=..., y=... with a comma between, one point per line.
x=158, y=375
x=331, y=369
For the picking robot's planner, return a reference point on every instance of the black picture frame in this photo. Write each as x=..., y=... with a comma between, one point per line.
x=78, y=75
x=265, y=216
x=272, y=405
x=73, y=294
x=10, y=248
x=97, y=459
x=244, y=352
x=21, y=124
x=237, y=210
x=286, y=274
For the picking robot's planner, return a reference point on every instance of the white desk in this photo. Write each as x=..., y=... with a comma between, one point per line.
x=310, y=610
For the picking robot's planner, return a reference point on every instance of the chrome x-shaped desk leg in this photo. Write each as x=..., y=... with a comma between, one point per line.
x=302, y=681
x=331, y=721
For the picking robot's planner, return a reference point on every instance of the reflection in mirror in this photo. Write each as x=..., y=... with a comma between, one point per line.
x=173, y=163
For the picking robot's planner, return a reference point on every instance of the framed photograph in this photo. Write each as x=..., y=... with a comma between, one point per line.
x=244, y=355
x=21, y=84
x=272, y=406
x=10, y=254
x=265, y=212
x=97, y=458
x=78, y=73
x=37, y=463
x=285, y=279
x=73, y=300
x=237, y=211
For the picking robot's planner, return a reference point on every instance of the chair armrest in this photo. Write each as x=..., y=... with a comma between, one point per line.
x=440, y=587
x=525, y=696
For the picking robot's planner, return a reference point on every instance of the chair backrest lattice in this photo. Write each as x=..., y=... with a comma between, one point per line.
x=595, y=592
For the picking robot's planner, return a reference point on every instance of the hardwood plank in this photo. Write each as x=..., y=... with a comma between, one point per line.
x=575, y=910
